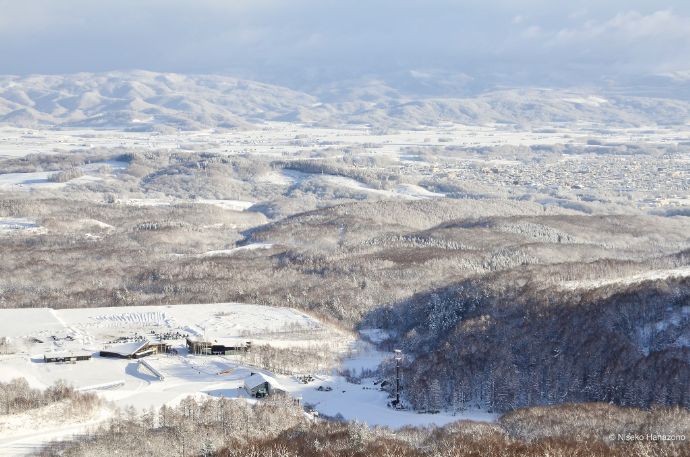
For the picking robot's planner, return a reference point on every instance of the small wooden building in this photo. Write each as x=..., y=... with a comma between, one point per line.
x=260, y=385
x=161, y=347
x=198, y=346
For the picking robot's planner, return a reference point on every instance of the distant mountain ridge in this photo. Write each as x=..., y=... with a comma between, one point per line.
x=141, y=100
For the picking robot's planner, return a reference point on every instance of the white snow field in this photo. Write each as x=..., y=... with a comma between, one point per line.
x=279, y=139
x=231, y=205
x=402, y=191
x=42, y=179
x=652, y=275
x=228, y=252
x=448, y=149
x=35, y=332
x=17, y=224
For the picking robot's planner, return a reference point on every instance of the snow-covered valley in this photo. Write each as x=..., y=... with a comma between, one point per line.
x=463, y=243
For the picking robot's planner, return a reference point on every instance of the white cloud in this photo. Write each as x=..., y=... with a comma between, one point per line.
x=632, y=41
x=631, y=27
x=533, y=31
x=283, y=41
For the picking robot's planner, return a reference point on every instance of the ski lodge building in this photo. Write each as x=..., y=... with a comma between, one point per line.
x=223, y=346
x=134, y=350
x=60, y=357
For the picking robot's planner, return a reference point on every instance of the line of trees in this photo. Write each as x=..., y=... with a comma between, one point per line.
x=292, y=360
x=17, y=396
x=276, y=427
x=191, y=428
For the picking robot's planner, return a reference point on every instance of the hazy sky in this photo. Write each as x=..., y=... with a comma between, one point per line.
x=293, y=40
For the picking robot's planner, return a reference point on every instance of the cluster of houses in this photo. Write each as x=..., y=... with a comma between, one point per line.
x=257, y=385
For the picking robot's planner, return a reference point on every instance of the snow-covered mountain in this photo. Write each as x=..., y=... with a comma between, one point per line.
x=143, y=100
x=140, y=100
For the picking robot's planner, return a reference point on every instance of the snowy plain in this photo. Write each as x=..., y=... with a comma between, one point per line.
x=287, y=139
x=42, y=179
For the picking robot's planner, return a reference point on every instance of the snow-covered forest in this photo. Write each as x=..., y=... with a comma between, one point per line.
x=276, y=427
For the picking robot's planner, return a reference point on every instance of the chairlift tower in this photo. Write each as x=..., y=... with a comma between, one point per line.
x=398, y=359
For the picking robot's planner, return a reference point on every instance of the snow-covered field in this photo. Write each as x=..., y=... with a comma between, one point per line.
x=232, y=205
x=42, y=179
x=90, y=328
x=17, y=224
x=681, y=272
x=228, y=252
x=35, y=332
x=440, y=161
x=281, y=139
x=403, y=191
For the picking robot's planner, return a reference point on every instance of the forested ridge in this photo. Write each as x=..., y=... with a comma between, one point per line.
x=474, y=345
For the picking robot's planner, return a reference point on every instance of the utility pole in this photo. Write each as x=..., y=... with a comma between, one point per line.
x=398, y=359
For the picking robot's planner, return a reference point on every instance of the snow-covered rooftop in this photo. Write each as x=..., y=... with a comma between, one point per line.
x=67, y=354
x=256, y=379
x=126, y=349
